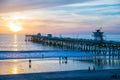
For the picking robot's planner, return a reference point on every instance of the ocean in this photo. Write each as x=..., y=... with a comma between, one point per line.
x=9, y=42
x=15, y=54
x=17, y=43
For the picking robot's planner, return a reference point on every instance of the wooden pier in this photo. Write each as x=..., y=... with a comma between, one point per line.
x=96, y=46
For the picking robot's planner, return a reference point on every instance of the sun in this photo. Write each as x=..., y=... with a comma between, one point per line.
x=15, y=23
x=14, y=27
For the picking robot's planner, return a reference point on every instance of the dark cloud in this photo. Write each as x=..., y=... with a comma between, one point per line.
x=18, y=5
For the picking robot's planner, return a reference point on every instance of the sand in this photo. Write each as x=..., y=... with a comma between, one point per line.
x=113, y=74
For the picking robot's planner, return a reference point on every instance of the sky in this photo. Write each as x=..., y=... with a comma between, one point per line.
x=59, y=16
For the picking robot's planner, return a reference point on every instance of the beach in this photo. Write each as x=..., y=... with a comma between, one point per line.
x=50, y=69
x=112, y=74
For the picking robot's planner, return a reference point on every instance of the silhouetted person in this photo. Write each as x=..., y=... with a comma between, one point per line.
x=30, y=63
x=89, y=68
x=66, y=58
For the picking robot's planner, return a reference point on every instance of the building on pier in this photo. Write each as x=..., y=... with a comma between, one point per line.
x=49, y=35
x=39, y=34
x=98, y=35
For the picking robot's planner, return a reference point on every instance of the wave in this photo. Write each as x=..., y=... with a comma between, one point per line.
x=33, y=51
x=43, y=54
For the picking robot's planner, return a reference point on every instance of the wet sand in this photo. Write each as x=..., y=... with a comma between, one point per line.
x=112, y=74
x=40, y=65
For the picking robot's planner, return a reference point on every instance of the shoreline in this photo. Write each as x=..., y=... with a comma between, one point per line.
x=110, y=74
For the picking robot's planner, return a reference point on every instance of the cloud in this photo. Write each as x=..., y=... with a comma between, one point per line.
x=17, y=5
x=63, y=16
x=100, y=9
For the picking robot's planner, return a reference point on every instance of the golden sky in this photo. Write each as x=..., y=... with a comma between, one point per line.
x=59, y=17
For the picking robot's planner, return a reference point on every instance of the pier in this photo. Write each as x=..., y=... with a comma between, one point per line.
x=96, y=46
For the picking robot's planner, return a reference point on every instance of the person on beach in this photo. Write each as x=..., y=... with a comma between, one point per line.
x=29, y=63
x=89, y=68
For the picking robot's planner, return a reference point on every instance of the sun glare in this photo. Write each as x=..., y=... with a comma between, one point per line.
x=15, y=23
x=14, y=27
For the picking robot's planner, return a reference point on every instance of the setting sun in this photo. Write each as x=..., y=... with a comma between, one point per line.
x=14, y=23
x=14, y=27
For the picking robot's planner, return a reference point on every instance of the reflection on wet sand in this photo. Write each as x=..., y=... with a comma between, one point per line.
x=51, y=65
x=14, y=70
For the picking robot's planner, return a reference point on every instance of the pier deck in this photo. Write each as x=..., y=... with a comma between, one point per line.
x=106, y=48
